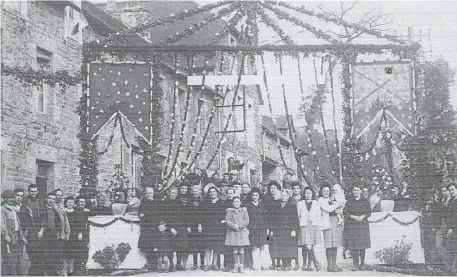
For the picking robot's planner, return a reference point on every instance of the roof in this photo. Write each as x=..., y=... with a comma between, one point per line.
x=104, y=24
x=267, y=125
x=162, y=9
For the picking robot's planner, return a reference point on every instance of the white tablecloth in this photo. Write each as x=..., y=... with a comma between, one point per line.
x=116, y=233
x=387, y=232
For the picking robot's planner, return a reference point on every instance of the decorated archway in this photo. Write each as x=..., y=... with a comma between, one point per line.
x=333, y=54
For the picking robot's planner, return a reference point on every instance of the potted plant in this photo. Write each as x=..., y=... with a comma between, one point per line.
x=117, y=191
x=389, y=191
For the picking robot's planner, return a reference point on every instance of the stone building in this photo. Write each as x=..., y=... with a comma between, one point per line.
x=39, y=123
x=273, y=167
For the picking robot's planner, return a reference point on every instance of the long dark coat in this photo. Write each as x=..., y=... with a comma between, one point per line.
x=194, y=216
x=357, y=234
x=174, y=215
x=213, y=215
x=149, y=225
x=257, y=224
x=282, y=221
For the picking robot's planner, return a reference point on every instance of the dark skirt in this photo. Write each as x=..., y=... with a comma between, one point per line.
x=214, y=238
x=180, y=241
x=258, y=237
x=357, y=235
x=69, y=249
x=333, y=237
x=195, y=241
x=282, y=245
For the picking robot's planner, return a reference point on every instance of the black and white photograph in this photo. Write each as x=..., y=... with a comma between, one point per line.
x=228, y=138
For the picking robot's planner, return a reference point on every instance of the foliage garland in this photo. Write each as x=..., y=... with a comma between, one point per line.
x=283, y=15
x=332, y=92
x=88, y=158
x=278, y=141
x=151, y=162
x=29, y=76
x=194, y=28
x=173, y=115
x=289, y=125
x=194, y=135
x=190, y=64
x=275, y=26
x=123, y=219
x=395, y=219
x=338, y=21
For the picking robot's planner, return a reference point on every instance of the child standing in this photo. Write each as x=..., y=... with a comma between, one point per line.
x=237, y=220
x=163, y=247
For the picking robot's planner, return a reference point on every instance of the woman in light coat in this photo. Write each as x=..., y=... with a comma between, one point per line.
x=333, y=232
x=237, y=220
x=310, y=218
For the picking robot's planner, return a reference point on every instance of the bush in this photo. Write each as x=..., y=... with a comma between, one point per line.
x=110, y=258
x=395, y=255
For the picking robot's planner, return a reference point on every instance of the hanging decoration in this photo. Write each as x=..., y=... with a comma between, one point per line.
x=88, y=159
x=103, y=225
x=195, y=132
x=190, y=64
x=278, y=141
x=120, y=89
x=310, y=138
x=151, y=162
x=173, y=115
x=243, y=57
x=338, y=21
x=194, y=28
x=335, y=129
x=290, y=124
x=283, y=15
x=161, y=22
x=275, y=26
x=29, y=76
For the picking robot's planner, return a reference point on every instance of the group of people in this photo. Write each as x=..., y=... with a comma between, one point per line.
x=222, y=228
x=54, y=233
x=440, y=230
x=238, y=222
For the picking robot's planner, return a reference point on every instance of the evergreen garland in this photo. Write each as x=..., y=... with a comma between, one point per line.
x=29, y=76
x=88, y=158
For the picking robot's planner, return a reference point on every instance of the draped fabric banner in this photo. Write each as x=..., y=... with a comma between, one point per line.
x=382, y=93
x=120, y=88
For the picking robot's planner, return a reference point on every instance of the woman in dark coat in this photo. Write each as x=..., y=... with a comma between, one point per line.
x=194, y=226
x=81, y=230
x=357, y=228
x=149, y=223
x=283, y=231
x=271, y=199
x=214, y=228
x=257, y=228
x=177, y=224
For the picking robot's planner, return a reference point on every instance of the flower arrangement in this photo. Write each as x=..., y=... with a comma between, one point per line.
x=395, y=255
x=119, y=184
x=384, y=183
x=111, y=258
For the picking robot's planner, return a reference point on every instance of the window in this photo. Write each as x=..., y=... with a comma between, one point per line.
x=73, y=28
x=42, y=179
x=44, y=62
x=18, y=7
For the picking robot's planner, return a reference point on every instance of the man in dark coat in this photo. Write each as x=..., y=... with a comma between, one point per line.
x=356, y=227
x=33, y=215
x=449, y=253
x=12, y=236
x=228, y=257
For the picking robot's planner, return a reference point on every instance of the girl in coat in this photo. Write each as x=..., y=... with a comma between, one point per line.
x=309, y=215
x=237, y=220
x=258, y=231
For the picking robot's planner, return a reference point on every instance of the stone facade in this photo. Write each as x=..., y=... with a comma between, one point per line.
x=39, y=128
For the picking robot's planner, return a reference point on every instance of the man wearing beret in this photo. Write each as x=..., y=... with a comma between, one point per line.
x=11, y=235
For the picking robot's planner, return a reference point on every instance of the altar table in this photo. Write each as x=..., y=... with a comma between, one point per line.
x=126, y=230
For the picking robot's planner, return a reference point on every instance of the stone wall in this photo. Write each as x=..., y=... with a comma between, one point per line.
x=28, y=135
